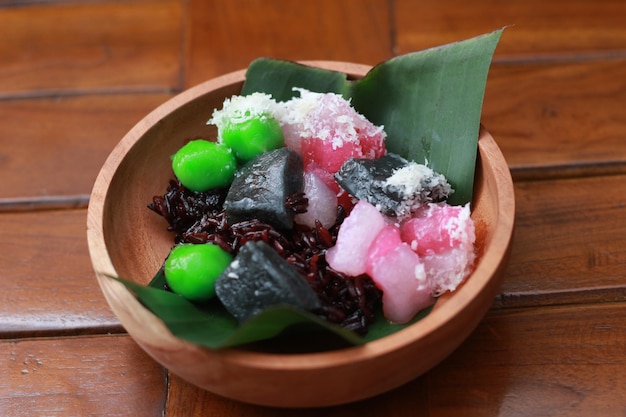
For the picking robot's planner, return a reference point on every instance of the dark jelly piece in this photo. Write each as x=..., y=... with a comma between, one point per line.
x=258, y=278
x=392, y=184
x=261, y=188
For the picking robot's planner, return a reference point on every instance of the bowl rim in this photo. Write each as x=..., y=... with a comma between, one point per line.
x=499, y=244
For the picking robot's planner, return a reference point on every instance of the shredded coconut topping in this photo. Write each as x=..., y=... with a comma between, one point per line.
x=411, y=178
x=321, y=116
x=238, y=109
x=324, y=116
x=419, y=183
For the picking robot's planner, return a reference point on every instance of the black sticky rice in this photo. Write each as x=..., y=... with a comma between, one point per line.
x=199, y=218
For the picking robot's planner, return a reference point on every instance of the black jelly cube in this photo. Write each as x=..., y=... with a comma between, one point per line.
x=258, y=278
x=368, y=179
x=262, y=186
x=365, y=180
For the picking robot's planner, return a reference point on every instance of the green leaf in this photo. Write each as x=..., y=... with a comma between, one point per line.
x=210, y=325
x=429, y=101
x=278, y=77
x=381, y=327
x=430, y=104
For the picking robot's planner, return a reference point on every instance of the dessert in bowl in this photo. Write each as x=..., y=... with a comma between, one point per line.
x=128, y=240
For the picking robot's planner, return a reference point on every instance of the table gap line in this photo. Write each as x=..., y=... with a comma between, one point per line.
x=62, y=93
x=550, y=298
x=61, y=332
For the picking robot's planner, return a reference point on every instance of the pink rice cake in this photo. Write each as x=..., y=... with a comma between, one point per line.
x=413, y=262
x=400, y=274
x=322, y=203
x=327, y=131
x=444, y=237
x=356, y=234
x=369, y=243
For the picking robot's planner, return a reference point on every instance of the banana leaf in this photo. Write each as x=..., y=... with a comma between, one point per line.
x=211, y=326
x=429, y=103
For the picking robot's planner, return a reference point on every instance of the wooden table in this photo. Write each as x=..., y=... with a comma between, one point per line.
x=75, y=76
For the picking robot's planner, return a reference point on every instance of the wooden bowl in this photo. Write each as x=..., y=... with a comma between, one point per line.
x=128, y=240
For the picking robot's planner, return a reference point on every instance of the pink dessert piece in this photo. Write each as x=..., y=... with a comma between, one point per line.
x=357, y=232
x=386, y=241
x=325, y=176
x=448, y=269
x=326, y=130
x=328, y=156
x=322, y=202
x=437, y=228
x=400, y=274
x=331, y=130
x=444, y=237
x=291, y=136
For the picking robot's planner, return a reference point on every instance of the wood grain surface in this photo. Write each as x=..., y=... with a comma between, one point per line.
x=76, y=76
x=79, y=376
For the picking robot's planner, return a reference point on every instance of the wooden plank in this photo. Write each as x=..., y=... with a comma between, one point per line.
x=48, y=284
x=569, y=244
x=540, y=28
x=227, y=36
x=56, y=146
x=46, y=48
x=549, y=361
x=558, y=114
x=187, y=400
x=85, y=376
x=566, y=361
